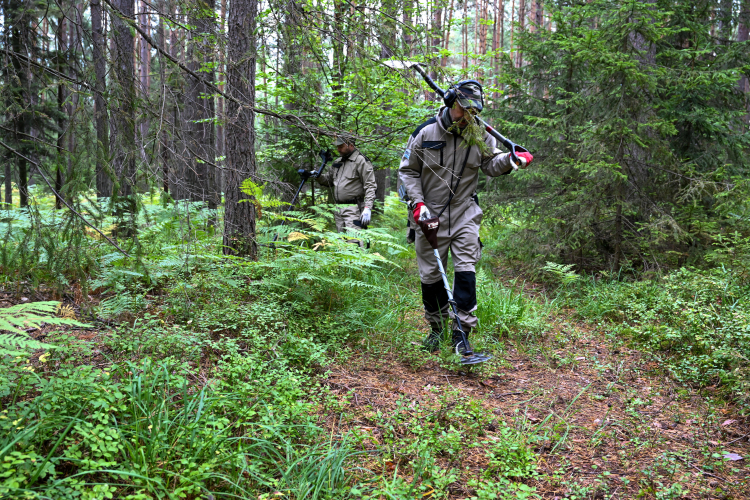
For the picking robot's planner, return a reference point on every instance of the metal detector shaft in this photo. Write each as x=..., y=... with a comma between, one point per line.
x=429, y=80
x=510, y=145
x=325, y=156
x=452, y=302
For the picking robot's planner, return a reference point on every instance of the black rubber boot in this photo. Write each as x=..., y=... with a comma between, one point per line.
x=458, y=341
x=431, y=343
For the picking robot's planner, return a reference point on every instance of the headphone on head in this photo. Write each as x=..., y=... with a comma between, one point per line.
x=450, y=96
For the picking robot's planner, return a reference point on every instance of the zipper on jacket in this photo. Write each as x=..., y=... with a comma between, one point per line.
x=336, y=184
x=450, y=184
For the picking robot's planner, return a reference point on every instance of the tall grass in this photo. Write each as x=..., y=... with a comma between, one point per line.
x=145, y=429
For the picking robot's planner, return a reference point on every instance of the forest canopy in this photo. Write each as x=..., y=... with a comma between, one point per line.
x=637, y=112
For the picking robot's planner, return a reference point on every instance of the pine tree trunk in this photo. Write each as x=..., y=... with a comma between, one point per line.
x=465, y=40
x=170, y=166
x=539, y=13
x=62, y=48
x=407, y=20
x=144, y=70
x=388, y=30
x=446, y=44
x=8, y=184
x=103, y=181
x=512, y=30
x=200, y=134
x=521, y=26
x=220, y=151
x=482, y=34
x=436, y=42
x=498, y=40
x=15, y=16
x=743, y=30
x=124, y=158
x=163, y=144
x=239, y=218
x=477, y=10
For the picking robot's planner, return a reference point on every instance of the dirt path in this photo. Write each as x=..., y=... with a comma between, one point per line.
x=603, y=422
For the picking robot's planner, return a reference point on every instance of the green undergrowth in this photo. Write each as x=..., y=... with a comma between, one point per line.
x=210, y=381
x=695, y=323
x=429, y=442
x=205, y=376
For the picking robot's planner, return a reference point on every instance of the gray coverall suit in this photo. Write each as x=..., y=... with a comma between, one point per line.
x=353, y=188
x=429, y=170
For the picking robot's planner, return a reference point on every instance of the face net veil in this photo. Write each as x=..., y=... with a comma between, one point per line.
x=473, y=132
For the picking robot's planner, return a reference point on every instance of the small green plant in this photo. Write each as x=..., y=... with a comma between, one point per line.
x=509, y=455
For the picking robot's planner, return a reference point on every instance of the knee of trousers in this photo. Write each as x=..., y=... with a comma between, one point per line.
x=434, y=297
x=465, y=290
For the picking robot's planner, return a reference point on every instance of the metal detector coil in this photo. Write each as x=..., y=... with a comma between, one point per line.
x=468, y=357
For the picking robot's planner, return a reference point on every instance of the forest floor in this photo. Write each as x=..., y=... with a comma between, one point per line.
x=571, y=411
x=605, y=422
x=602, y=420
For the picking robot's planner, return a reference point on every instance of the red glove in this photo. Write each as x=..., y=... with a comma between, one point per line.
x=525, y=158
x=418, y=211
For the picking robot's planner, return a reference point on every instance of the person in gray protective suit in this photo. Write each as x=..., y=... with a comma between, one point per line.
x=440, y=169
x=353, y=181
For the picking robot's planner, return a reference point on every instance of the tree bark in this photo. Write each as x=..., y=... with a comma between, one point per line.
x=388, y=30
x=175, y=184
x=103, y=180
x=220, y=103
x=16, y=16
x=512, y=15
x=743, y=34
x=407, y=21
x=382, y=181
x=497, y=41
x=339, y=60
x=124, y=134
x=8, y=184
x=465, y=38
x=239, y=218
x=62, y=48
x=75, y=43
x=200, y=111
x=145, y=71
x=437, y=41
x=521, y=26
x=448, y=25
x=482, y=28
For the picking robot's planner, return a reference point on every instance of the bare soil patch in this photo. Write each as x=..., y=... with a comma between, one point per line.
x=607, y=422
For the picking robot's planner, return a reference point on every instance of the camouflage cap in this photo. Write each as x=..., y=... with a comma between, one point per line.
x=343, y=139
x=469, y=95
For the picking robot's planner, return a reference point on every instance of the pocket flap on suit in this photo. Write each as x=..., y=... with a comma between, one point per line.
x=433, y=144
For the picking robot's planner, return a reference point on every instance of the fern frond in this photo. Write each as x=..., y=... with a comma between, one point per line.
x=562, y=272
x=16, y=319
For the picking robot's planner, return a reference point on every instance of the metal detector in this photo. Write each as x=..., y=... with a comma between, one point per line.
x=510, y=145
x=325, y=155
x=468, y=357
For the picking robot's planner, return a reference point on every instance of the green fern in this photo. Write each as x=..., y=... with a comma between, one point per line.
x=562, y=272
x=14, y=320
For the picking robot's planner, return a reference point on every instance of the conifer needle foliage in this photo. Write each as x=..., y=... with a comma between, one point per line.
x=638, y=125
